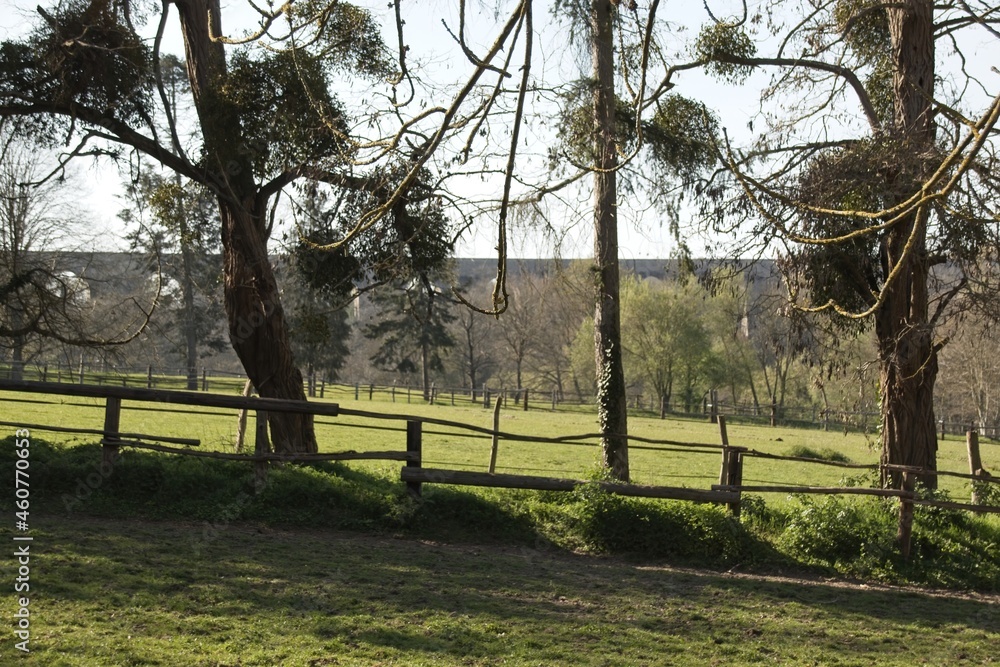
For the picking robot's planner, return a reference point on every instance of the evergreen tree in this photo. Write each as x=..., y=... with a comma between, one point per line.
x=412, y=323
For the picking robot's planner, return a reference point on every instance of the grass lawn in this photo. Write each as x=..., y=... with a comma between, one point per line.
x=450, y=448
x=129, y=592
x=466, y=577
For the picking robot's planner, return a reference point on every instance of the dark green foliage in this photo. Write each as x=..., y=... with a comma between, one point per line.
x=950, y=547
x=836, y=531
x=679, y=139
x=723, y=46
x=317, y=319
x=856, y=536
x=413, y=238
x=412, y=326
x=846, y=179
x=679, y=531
x=682, y=135
x=865, y=27
x=287, y=112
x=825, y=454
x=319, y=331
x=84, y=54
x=347, y=37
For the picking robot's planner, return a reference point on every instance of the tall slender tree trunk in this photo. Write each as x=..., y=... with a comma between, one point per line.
x=425, y=373
x=611, y=400
x=257, y=326
x=190, y=326
x=907, y=351
x=17, y=357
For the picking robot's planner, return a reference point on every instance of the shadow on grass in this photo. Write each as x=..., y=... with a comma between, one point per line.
x=351, y=592
x=151, y=485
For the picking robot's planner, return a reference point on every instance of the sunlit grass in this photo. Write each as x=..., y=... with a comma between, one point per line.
x=455, y=448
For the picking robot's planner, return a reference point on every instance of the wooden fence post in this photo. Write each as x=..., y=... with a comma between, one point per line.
x=486, y=398
x=524, y=398
x=713, y=415
x=322, y=387
x=905, y=530
x=453, y=397
x=204, y=379
x=553, y=400
x=975, y=463
x=430, y=395
x=393, y=391
x=261, y=447
x=371, y=392
x=736, y=478
x=731, y=474
x=414, y=447
x=112, y=421
x=496, y=437
x=663, y=407
x=45, y=373
x=357, y=390
x=149, y=376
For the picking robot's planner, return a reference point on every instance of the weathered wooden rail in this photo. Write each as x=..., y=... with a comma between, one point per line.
x=728, y=491
x=506, y=481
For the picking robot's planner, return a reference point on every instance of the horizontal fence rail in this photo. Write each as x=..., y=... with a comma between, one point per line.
x=209, y=379
x=727, y=492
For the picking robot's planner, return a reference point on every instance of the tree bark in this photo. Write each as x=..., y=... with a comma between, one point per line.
x=257, y=326
x=907, y=352
x=190, y=327
x=611, y=400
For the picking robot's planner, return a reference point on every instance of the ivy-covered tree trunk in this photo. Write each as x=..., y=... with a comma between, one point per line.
x=907, y=351
x=611, y=400
x=257, y=326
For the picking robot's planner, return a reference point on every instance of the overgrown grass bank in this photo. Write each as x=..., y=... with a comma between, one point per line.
x=817, y=535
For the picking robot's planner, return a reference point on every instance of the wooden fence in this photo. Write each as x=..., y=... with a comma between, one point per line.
x=728, y=491
x=206, y=379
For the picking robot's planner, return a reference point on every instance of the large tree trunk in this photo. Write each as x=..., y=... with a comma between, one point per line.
x=257, y=326
x=907, y=352
x=611, y=400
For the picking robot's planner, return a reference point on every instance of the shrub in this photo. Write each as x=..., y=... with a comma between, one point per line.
x=833, y=530
x=825, y=454
x=673, y=529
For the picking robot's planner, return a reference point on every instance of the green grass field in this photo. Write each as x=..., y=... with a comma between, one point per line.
x=137, y=593
x=175, y=561
x=453, y=448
